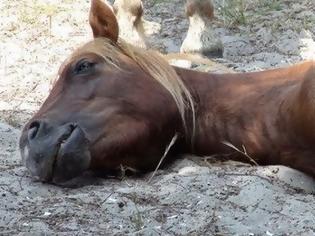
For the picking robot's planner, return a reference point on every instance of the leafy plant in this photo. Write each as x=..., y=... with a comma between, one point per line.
x=233, y=12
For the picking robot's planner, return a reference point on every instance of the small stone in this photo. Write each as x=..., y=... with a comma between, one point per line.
x=47, y=213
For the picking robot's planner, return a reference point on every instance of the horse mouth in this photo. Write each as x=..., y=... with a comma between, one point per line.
x=56, y=154
x=61, y=145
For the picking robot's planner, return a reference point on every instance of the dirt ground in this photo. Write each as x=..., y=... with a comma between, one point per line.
x=190, y=197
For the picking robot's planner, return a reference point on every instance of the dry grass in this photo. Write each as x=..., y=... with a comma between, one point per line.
x=244, y=152
x=38, y=13
x=137, y=220
x=163, y=157
x=30, y=11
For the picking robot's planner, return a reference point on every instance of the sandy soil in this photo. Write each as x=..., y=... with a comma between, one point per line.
x=189, y=197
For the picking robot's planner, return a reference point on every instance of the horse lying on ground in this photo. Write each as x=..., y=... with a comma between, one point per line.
x=115, y=104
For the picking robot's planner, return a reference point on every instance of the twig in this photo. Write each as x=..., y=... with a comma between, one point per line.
x=123, y=170
x=244, y=152
x=106, y=198
x=164, y=155
x=50, y=24
x=21, y=179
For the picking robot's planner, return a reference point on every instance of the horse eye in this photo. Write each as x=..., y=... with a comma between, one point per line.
x=83, y=67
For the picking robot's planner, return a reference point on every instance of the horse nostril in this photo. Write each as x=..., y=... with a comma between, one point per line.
x=33, y=129
x=72, y=126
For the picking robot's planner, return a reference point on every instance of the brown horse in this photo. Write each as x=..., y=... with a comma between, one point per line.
x=115, y=104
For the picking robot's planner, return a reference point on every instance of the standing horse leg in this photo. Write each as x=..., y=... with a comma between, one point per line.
x=129, y=15
x=200, y=36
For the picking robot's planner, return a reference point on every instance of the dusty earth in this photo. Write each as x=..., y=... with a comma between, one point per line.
x=192, y=196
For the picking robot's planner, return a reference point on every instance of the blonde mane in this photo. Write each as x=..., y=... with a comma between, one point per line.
x=154, y=64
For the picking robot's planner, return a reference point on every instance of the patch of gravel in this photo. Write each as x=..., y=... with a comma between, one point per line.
x=185, y=198
x=188, y=197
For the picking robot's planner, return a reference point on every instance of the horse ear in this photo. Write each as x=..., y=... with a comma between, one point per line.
x=103, y=20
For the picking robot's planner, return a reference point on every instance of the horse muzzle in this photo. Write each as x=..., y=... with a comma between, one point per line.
x=54, y=153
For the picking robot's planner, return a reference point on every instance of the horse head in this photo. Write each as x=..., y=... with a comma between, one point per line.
x=113, y=104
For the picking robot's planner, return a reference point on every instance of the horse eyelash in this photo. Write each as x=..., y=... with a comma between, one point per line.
x=80, y=63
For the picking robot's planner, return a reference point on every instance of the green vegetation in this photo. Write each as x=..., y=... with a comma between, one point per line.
x=274, y=5
x=158, y=1
x=233, y=12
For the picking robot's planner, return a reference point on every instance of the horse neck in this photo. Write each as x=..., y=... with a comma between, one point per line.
x=263, y=98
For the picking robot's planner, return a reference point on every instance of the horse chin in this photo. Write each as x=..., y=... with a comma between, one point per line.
x=57, y=160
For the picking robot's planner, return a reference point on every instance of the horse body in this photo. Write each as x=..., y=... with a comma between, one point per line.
x=265, y=114
x=115, y=104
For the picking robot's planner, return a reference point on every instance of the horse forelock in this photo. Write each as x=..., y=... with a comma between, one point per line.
x=152, y=63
